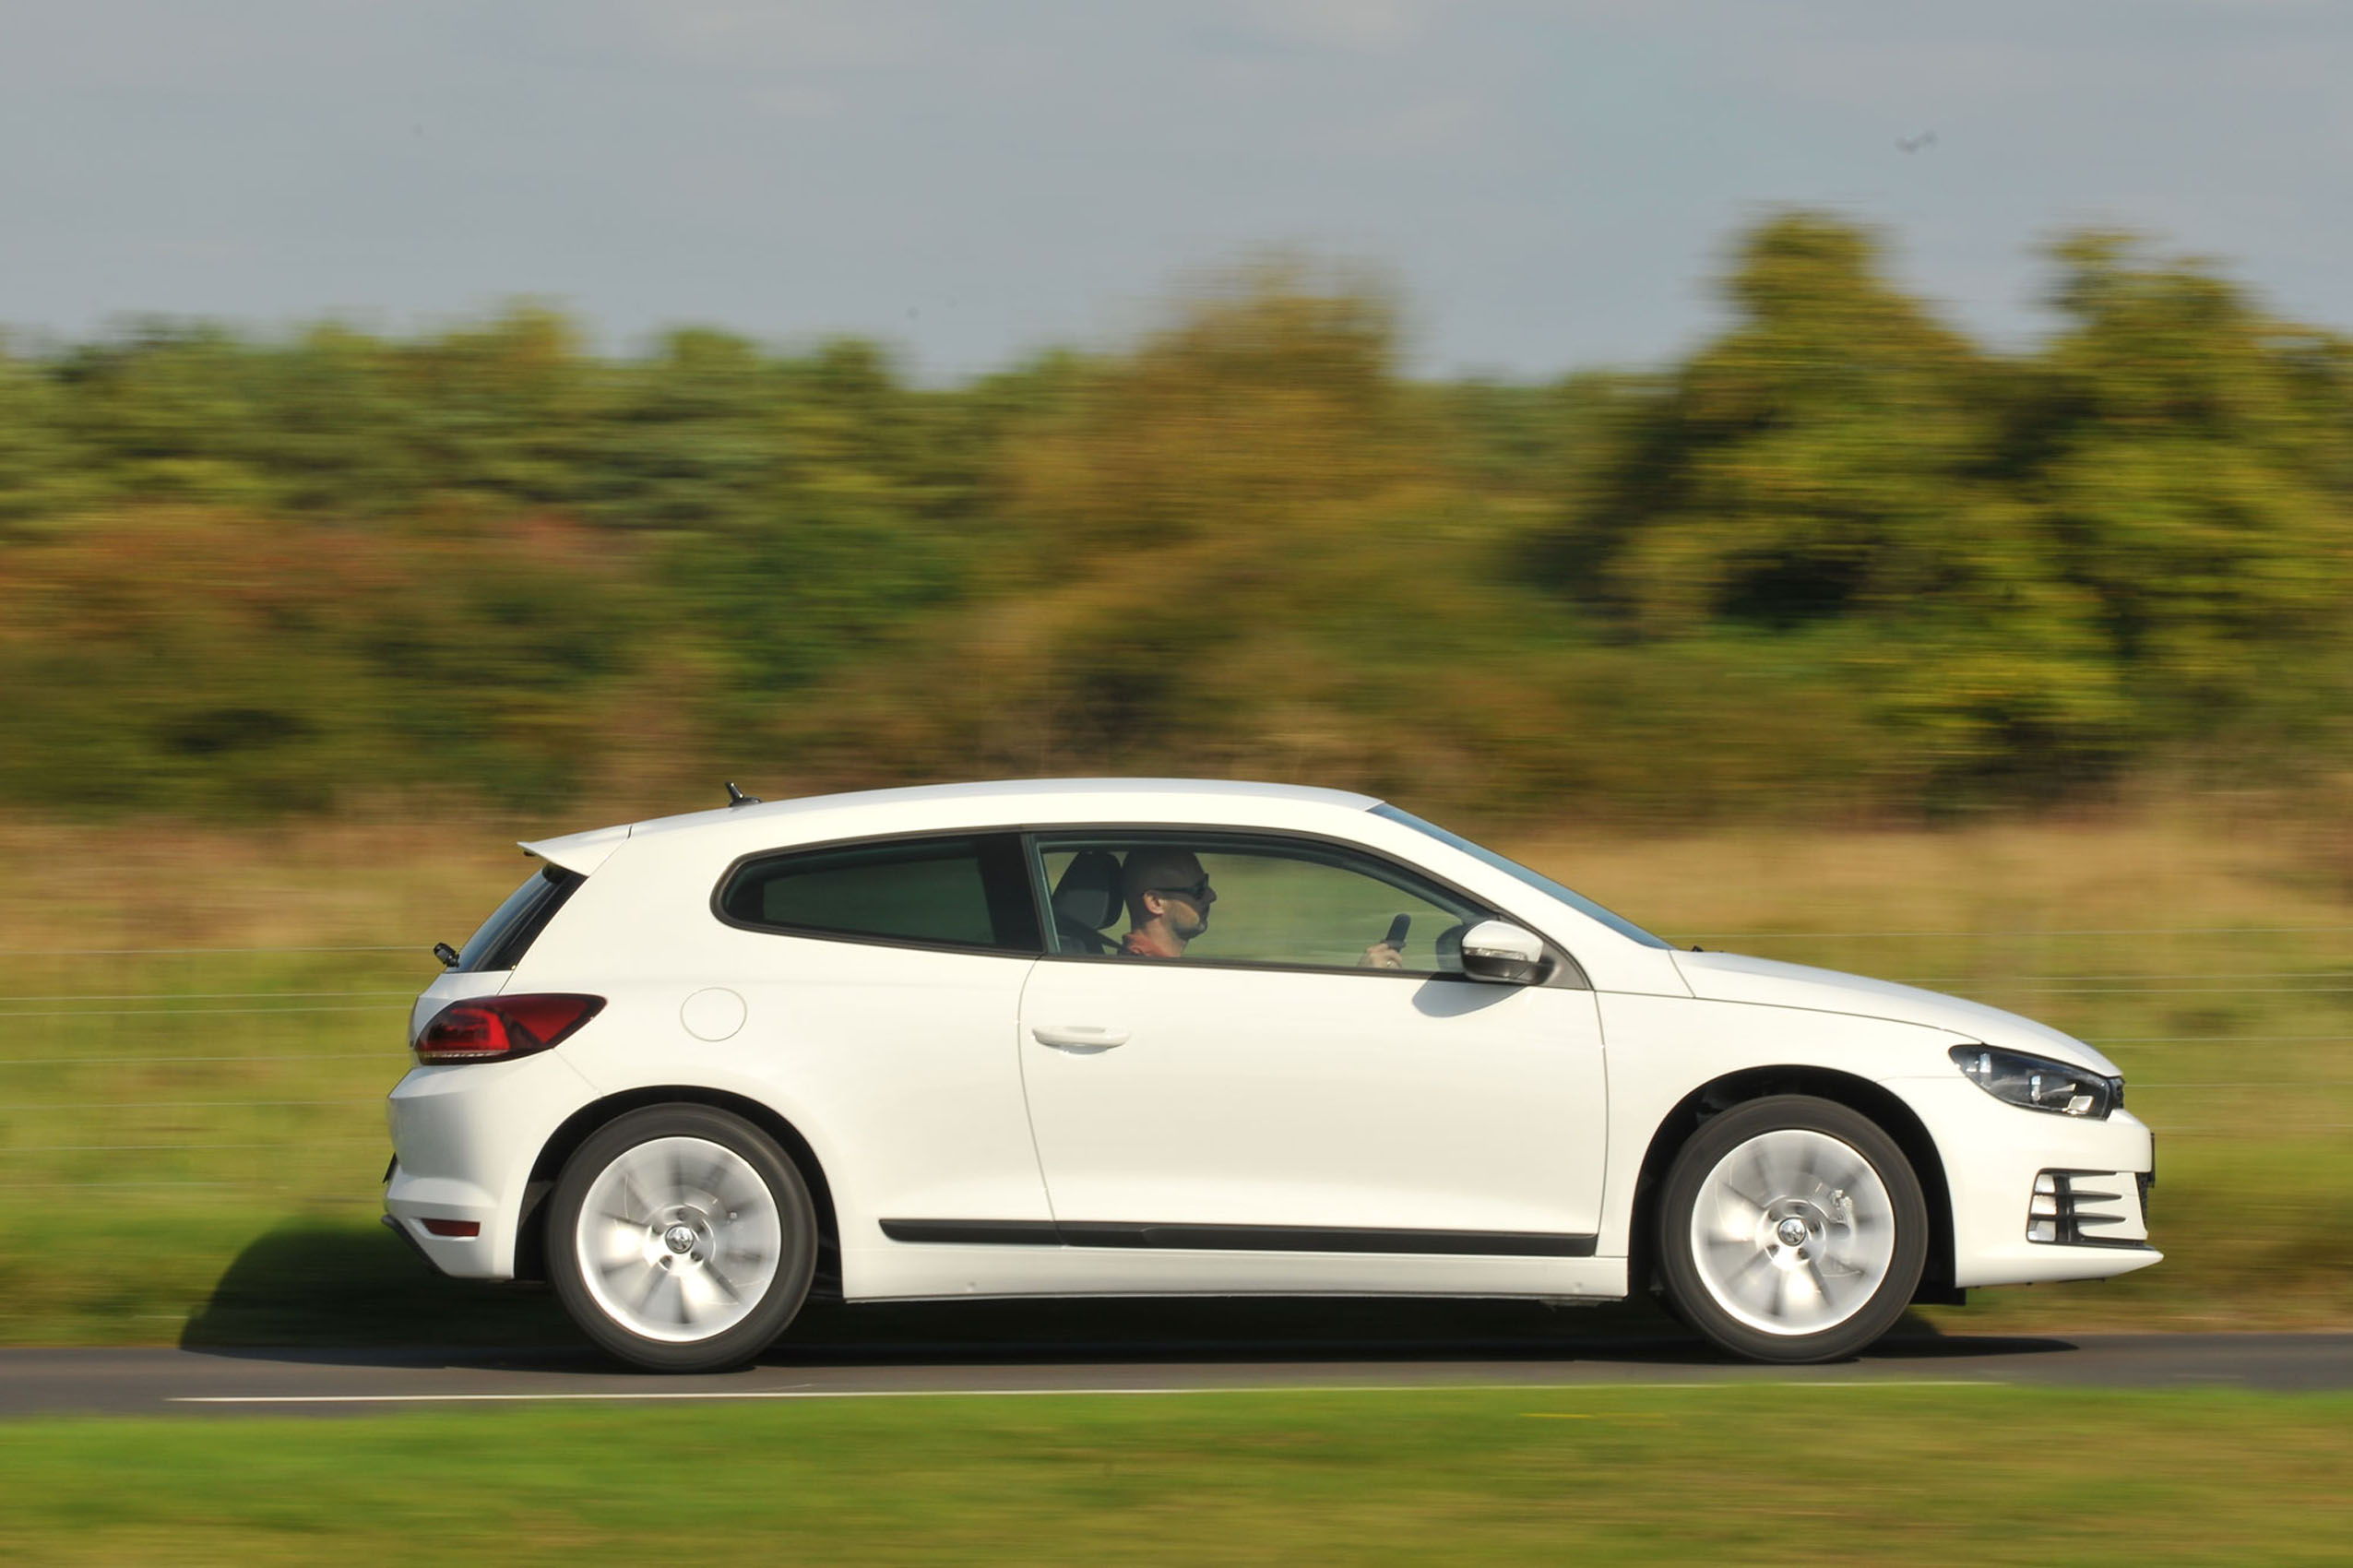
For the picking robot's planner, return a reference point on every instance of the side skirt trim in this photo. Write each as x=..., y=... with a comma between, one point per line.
x=1237, y=1238
x=975, y=1232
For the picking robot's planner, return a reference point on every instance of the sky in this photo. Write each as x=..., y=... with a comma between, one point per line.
x=1546, y=187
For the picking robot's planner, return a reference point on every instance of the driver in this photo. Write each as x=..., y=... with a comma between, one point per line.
x=1169, y=896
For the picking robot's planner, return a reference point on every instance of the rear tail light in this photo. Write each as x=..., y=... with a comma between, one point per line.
x=493, y=1029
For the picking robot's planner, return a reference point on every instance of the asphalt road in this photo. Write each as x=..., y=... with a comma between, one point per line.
x=253, y=1381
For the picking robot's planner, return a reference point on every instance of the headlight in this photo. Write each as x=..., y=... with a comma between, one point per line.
x=2038, y=1083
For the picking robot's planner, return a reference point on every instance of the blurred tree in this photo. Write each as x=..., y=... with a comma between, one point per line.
x=1231, y=550
x=1820, y=458
x=2195, y=460
x=822, y=550
x=1268, y=406
x=1829, y=474
x=44, y=478
x=334, y=431
x=510, y=412
x=694, y=445
x=196, y=661
x=165, y=413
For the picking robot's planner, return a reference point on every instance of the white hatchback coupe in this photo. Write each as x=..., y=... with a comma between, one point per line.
x=1155, y=1037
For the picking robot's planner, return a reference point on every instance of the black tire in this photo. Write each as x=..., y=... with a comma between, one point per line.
x=1776, y=1298
x=680, y=1298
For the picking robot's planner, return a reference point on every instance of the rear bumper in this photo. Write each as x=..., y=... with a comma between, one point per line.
x=464, y=1140
x=407, y=1235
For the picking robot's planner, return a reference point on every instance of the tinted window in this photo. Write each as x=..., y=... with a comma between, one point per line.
x=949, y=891
x=516, y=924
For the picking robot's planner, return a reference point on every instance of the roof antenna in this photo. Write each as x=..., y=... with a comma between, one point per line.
x=736, y=797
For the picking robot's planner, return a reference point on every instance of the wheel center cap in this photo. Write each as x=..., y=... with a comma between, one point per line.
x=679, y=1238
x=1792, y=1232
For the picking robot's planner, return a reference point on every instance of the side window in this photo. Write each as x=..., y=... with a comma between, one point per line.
x=1246, y=899
x=969, y=892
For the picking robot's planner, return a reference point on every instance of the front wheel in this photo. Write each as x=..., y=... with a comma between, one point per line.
x=1791, y=1229
x=682, y=1239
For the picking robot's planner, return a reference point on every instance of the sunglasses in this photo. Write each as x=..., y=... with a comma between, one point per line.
x=1196, y=893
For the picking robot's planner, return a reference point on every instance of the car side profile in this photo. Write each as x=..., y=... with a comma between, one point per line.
x=1157, y=1036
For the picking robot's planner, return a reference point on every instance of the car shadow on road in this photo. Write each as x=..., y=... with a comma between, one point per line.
x=327, y=1284
x=341, y=1294
x=1306, y=1329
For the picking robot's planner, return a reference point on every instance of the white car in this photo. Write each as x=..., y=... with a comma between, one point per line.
x=1113, y=1036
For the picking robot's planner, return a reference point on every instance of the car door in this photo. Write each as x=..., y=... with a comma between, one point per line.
x=1269, y=1091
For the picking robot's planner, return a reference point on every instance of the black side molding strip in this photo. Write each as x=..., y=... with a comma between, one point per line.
x=975, y=1232
x=1239, y=1238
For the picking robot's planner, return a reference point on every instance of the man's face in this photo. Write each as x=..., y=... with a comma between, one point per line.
x=1185, y=897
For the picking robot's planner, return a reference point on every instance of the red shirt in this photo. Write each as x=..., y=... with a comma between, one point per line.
x=1135, y=945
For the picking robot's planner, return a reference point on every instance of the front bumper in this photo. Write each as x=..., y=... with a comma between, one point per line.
x=1994, y=1154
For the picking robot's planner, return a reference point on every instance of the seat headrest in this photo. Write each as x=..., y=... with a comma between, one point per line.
x=1088, y=895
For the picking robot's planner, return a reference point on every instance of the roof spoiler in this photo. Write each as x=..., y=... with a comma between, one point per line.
x=581, y=852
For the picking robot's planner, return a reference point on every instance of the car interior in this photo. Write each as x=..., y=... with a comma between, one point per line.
x=1086, y=901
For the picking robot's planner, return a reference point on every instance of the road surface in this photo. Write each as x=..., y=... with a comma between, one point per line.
x=150, y=1381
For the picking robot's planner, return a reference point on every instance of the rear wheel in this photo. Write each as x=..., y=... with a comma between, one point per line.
x=682, y=1239
x=1792, y=1230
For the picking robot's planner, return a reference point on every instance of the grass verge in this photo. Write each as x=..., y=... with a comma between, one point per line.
x=1783, y=1474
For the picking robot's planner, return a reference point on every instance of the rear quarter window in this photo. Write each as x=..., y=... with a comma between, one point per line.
x=961, y=893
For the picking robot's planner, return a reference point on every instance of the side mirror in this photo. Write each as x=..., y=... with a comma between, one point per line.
x=1502, y=952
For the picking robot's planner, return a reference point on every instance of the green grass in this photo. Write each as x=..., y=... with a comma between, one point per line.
x=1752, y=1475
x=211, y=1121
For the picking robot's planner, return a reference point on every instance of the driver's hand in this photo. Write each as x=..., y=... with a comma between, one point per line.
x=1381, y=956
